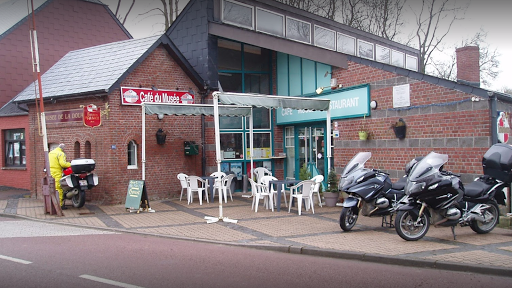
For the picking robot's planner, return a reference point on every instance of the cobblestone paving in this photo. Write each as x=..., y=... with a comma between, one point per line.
x=317, y=231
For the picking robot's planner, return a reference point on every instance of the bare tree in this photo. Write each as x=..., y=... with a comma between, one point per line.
x=433, y=23
x=122, y=18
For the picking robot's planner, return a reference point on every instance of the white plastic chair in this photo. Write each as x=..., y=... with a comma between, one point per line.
x=260, y=172
x=260, y=191
x=318, y=180
x=183, y=181
x=265, y=181
x=218, y=182
x=302, y=191
x=198, y=185
x=225, y=185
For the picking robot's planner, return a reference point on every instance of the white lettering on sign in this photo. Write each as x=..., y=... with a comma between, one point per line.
x=302, y=111
x=344, y=103
x=286, y=112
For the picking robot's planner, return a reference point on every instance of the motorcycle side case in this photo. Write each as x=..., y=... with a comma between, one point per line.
x=82, y=165
x=68, y=182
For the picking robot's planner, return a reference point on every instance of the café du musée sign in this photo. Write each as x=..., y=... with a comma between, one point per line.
x=137, y=96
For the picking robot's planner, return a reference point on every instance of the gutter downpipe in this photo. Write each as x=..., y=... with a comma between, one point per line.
x=494, y=124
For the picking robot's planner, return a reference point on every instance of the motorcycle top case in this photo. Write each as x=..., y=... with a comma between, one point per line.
x=82, y=165
x=497, y=162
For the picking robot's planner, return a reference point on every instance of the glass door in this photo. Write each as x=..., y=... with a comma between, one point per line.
x=311, y=150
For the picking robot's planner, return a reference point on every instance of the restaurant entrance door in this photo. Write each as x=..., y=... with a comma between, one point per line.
x=311, y=150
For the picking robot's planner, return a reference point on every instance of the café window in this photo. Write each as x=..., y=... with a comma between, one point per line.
x=132, y=155
x=261, y=146
x=261, y=118
x=15, y=148
x=231, y=146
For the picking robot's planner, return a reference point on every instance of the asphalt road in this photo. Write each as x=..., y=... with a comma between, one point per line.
x=36, y=254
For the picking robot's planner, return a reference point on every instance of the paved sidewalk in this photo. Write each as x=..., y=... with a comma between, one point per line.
x=312, y=234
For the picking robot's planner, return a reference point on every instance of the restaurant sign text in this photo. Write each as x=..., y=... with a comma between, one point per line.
x=137, y=96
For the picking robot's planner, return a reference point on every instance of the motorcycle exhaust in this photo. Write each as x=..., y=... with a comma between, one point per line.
x=71, y=193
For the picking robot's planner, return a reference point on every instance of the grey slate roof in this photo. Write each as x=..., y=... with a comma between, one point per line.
x=93, y=69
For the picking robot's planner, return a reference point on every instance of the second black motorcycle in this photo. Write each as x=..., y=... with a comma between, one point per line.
x=438, y=197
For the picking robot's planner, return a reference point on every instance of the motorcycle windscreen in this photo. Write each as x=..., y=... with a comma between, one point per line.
x=356, y=163
x=429, y=165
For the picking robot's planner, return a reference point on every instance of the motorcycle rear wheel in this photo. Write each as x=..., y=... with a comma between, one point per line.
x=79, y=199
x=348, y=218
x=483, y=228
x=406, y=227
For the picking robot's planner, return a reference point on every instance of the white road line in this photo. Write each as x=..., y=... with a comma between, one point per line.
x=107, y=281
x=15, y=259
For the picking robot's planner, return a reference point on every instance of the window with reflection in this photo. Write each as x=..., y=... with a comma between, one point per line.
x=382, y=54
x=325, y=38
x=261, y=145
x=298, y=30
x=256, y=58
x=261, y=118
x=346, y=44
x=238, y=14
x=132, y=155
x=228, y=122
x=15, y=148
x=231, y=145
x=229, y=54
x=397, y=58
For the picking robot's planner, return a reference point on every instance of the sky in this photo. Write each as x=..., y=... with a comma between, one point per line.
x=493, y=16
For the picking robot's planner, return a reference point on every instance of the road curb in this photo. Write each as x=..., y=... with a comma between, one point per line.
x=328, y=253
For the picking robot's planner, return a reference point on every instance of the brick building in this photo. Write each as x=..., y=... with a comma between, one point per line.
x=62, y=26
x=265, y=47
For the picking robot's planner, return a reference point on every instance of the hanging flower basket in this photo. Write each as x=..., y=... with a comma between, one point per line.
x=363, y=135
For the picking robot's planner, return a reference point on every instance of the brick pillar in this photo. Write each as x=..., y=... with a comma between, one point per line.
x=468, y=65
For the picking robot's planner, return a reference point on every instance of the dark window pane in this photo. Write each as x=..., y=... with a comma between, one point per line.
x=256, y=83
x=229, y=55
x=256, y=59
x=261, y=118
x=230, y=82
x=231, y=145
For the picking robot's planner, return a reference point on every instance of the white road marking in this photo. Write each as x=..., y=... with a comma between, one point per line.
x=107, y=281
x=14, y=259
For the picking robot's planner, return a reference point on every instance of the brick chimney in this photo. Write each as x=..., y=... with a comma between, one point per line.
x=468, y=65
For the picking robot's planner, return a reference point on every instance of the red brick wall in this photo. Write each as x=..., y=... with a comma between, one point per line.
x=62, y=26
x=163, y=162
x=15, y=177
x=439, y=119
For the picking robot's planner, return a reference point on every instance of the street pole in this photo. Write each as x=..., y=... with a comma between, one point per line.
x=50, y=194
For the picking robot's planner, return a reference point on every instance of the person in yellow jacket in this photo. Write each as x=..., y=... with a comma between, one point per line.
x=58, y=161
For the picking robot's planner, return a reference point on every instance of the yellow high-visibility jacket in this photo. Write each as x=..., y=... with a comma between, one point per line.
x=58, y=161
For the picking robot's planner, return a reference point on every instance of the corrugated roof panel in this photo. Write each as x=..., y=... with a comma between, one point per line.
x=90, y=69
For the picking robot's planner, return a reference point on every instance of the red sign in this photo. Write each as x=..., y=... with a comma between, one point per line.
x=75, y=115
x=92, y=115
x=137, y=96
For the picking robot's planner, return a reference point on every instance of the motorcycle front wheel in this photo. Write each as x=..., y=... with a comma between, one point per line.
x=492, y=213
x=348, y=218
x=409, y=228
x=79, y=199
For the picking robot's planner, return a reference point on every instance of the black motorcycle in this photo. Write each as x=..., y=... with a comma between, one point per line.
x=438, y=197
x=78, y=179
x=371, y=192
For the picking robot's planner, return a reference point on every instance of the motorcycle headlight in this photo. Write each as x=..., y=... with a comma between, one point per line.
x=360, y=179
x=345, y=181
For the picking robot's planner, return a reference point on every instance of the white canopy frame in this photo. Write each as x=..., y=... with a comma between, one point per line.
x=244, y=102
x=191, y=109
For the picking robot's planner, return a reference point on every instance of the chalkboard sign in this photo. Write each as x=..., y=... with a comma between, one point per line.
x=137, y=197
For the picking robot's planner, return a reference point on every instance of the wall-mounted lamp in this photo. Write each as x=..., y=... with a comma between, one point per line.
x=319, y=90
x=153, y=87
x=160, y=116
x=327, y=73
x=373, y=104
